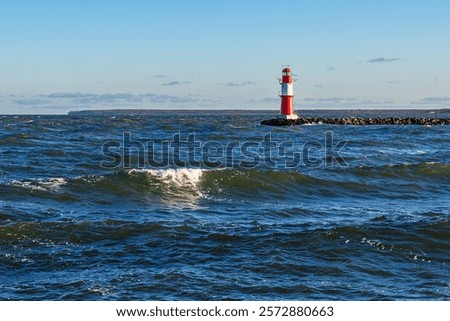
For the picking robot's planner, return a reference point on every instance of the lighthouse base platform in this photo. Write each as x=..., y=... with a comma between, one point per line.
x=356, y=121
x=290, y=117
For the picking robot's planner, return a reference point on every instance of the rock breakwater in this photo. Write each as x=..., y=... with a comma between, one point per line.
x=357, y=121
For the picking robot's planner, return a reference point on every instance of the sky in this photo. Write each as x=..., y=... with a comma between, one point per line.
x=58, y=56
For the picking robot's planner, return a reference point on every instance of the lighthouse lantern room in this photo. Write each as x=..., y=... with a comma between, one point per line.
x=287, y=95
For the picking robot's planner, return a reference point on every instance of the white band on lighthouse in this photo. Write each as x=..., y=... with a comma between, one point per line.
x=287, y=89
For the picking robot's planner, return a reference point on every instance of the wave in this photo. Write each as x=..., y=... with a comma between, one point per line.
x=51, y=184
x=426, y=170
x=425, y=240
x=51, y=233
x=181, y=177
x=192, y=184
x=181, y=184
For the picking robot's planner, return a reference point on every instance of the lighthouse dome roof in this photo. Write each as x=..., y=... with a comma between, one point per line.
x=287, y=69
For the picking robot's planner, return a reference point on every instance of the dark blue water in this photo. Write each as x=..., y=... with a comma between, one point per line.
x=214, y=206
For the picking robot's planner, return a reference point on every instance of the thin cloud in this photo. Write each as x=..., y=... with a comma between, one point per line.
x=32, y=102
x=159, y=76
x=432, y=101
x=158, y=99
x=328, y=102
x=377, y=102
x=331, y=68
x=336, y=100
x=235, y=84
x=88, y=98
x=269, y=100
x=382, y=59
x=347, y=102
x=176, y=83
x=120, y=98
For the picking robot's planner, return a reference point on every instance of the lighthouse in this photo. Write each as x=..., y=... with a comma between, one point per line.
x=287, y=95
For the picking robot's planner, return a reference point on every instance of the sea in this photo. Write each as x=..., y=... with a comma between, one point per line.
x=211, y=205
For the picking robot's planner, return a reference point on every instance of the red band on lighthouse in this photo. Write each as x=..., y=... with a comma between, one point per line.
x=287, y=95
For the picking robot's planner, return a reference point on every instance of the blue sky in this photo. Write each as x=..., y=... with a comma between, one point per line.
x=58, y=56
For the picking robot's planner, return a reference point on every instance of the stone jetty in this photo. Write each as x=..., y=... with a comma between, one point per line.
x=357, y=121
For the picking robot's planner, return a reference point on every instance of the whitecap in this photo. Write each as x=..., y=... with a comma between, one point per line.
x=51, y=184
x=178, y=176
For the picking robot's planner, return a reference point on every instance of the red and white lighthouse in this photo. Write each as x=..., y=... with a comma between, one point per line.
x=287, y=95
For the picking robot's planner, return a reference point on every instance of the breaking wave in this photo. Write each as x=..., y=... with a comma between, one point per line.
x=391, y=181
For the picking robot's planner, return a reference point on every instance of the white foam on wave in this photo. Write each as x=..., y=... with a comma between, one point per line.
x=177, y=176
x=181, y=186
x=90, y=179
x=51, y=184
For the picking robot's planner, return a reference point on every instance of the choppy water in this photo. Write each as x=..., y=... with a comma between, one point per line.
x=367, y=222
